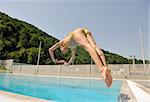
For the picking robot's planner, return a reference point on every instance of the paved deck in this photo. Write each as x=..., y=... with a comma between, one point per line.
x=146, y=85
x=137, y=90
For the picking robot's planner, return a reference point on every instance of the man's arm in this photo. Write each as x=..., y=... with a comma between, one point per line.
x=73, y=52
x=52, y=49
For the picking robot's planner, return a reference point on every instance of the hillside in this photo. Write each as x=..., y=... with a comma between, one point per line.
x=20, y=40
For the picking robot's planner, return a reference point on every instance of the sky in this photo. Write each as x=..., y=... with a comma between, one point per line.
x=113, y=23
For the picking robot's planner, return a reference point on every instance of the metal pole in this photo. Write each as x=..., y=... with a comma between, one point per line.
x=38, y=57
x=91, y=67
x=134, y=64
x=142, y=48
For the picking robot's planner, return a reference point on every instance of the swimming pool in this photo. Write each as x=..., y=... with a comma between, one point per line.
x=61, y=89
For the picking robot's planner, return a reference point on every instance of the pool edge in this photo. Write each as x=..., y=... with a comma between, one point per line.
x=126, y=94
x=14, y=97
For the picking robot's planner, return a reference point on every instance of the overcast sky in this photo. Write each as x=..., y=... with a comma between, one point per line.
x=114, y=23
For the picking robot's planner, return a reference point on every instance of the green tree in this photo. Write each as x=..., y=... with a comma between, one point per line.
x=32, y=55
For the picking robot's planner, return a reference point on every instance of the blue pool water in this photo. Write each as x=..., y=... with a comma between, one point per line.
x=61, y=89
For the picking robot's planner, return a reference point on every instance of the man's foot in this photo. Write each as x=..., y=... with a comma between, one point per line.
x=106, y=74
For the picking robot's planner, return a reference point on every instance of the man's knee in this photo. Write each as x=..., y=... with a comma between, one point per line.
x=100, y=52
x=89, y=47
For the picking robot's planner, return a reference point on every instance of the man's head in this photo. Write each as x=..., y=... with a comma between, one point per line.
x=64, y=47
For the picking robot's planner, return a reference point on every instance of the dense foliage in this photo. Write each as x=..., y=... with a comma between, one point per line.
x=20, y=41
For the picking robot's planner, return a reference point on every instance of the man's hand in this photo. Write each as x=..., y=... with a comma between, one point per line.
x=66, y=63
x=60, y=61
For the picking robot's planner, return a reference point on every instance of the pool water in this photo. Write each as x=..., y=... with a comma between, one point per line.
x=61, y=89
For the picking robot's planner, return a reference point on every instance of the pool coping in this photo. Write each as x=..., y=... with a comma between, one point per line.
x=126, y=94
x=61, y=76
x=14, y=97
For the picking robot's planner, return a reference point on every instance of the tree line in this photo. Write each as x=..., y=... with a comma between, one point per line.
x=20, y=41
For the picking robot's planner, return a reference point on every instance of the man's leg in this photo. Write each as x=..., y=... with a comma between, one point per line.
x=99, y=51
x=83, y=41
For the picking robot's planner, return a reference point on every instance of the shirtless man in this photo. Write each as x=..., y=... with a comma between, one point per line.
x=83, y=37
